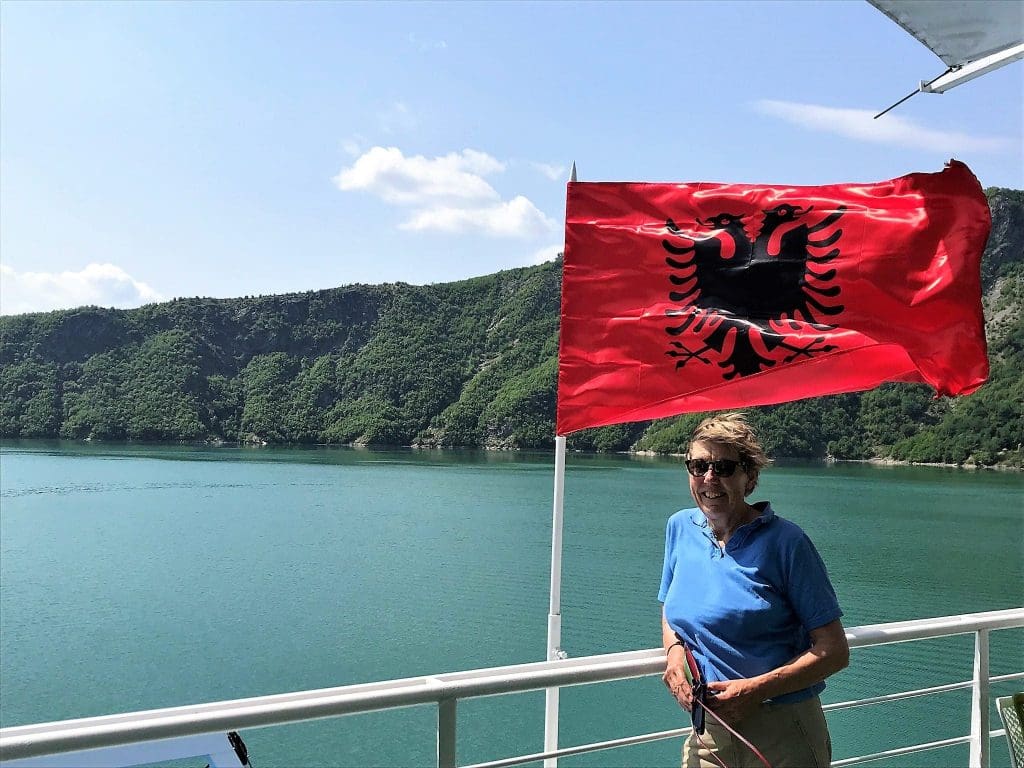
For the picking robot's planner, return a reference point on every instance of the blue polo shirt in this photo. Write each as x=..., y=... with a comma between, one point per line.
x=749, y=609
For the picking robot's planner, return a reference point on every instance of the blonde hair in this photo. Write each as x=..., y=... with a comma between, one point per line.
x=733, y=429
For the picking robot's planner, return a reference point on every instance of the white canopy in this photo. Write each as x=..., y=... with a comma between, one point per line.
x=971, y=37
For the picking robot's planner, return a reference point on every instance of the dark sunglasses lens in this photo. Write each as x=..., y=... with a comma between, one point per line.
x=721, y=467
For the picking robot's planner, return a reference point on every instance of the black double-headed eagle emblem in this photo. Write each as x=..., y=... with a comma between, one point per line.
x=746, y=285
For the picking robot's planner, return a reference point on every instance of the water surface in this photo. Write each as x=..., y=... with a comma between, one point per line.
x=142, y=577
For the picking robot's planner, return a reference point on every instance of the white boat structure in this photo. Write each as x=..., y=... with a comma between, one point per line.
x=208, y=730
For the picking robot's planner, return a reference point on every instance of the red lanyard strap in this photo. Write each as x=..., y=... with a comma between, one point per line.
x=699, y=692
x=730, y=729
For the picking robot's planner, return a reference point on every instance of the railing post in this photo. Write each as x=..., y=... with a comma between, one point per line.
x=446, y=733
x=979, y=754
x=551, y=725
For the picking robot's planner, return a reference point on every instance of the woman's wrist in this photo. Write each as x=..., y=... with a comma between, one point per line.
x=767, y=685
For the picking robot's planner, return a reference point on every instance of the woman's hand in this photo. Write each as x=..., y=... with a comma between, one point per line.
x=675, y=677
x=733, y=700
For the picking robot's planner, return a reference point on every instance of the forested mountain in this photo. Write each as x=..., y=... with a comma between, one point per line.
x=471, y=363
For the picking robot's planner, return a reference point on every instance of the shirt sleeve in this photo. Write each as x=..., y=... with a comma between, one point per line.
x=667, y=568
x=808, y=587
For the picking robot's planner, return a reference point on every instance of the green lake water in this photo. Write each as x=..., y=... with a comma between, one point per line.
x=142, y=577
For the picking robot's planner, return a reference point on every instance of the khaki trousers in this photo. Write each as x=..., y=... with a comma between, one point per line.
x=788, y=735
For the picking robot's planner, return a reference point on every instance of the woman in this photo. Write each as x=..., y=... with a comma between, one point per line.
x=748, y=593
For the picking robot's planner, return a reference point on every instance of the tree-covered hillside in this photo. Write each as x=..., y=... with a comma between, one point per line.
x=450, y=364
x=471, y=363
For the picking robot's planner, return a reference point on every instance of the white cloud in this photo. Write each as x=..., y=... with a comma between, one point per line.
x=448, y=193
x=397, y=118
x=553, y=172
x=395, y=178
x=890, y=129
x=516, y=218
x=104, y=285
x=547, y=253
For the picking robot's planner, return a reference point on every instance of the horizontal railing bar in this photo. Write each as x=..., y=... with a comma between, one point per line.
x=1004, y=678
x=911, y=750
x=918, y=692
x=901, y=751
x=105, y=731
x=408, y=683
x=113, y=730
x=584, y=748
x=920, y=629
x=404, y=684
x=662, y=735
x=897, y=696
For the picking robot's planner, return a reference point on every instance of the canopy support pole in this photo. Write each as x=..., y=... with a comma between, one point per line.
x=963, y=73
x=555, y=607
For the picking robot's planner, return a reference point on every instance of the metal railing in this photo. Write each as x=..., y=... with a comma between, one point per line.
x=20, y=743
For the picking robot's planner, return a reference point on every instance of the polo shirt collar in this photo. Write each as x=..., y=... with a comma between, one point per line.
x=764, y=507
x=740, y=536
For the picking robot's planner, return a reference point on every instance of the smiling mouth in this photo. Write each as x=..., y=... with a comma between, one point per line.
x=712, y=496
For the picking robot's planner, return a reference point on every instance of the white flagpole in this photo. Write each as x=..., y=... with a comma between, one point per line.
x=555, y=606
x=555, y=609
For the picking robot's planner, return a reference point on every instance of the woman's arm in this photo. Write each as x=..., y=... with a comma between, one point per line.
x=829, y=653
x=675, y=663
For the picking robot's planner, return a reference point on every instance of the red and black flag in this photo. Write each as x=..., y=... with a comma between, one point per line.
x=698, y=297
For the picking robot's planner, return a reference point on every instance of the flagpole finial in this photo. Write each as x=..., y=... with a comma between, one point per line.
x=572, y=173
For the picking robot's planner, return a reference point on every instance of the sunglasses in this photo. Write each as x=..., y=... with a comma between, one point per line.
x=720, y=467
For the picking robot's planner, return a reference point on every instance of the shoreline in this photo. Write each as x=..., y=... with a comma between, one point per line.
x=886, y=462
x=876, y=461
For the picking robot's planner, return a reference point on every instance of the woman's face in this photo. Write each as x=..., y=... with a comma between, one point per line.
x=720, y=498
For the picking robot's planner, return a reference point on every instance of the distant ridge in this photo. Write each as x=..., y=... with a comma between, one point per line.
x=465, y=364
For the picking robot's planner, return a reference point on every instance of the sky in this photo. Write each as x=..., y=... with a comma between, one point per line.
x=155, y=150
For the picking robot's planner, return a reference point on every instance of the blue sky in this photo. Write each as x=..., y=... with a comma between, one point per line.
x=156, y=150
